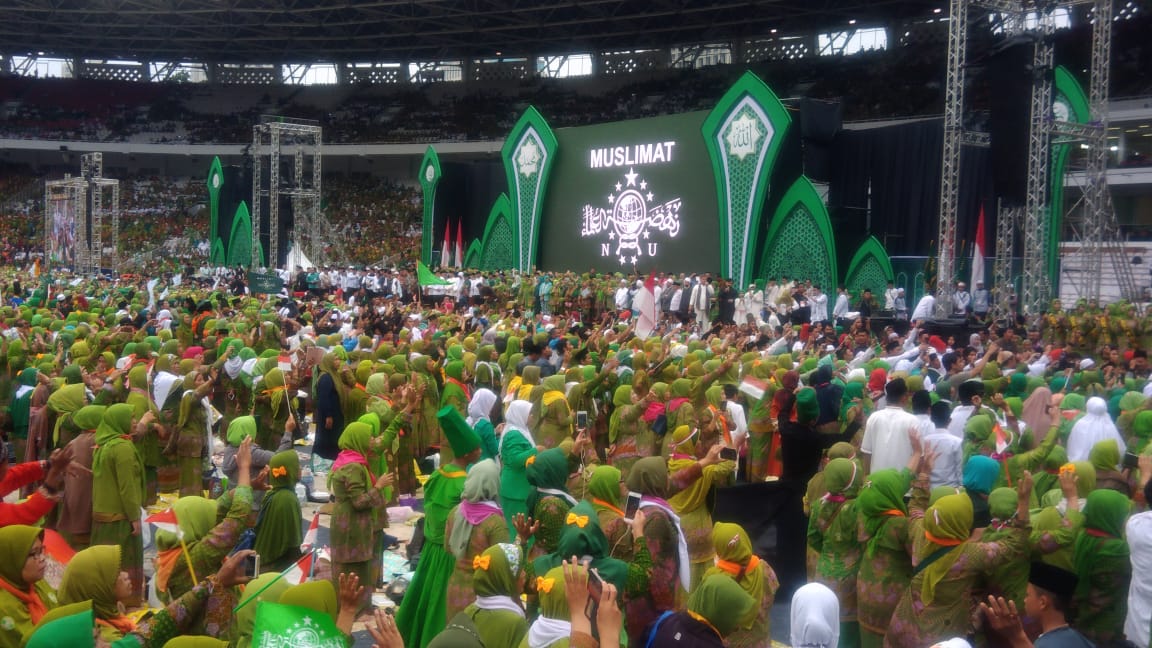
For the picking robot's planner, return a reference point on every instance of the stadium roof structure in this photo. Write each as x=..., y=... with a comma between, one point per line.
x=297, y=31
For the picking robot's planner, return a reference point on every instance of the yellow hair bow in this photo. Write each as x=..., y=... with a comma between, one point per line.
x=280, y=471
x=529, y=461
x=579, y=520
x=544, y=584
x=481, y=562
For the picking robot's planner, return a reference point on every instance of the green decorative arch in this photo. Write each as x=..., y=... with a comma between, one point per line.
x=870, y=268
x=744, y=134
x=800, y=244
x=498, y=249
x=1069, y=103
x=472, y=255
x=240, y=241
x=218, y=256
x=528, y=154
x=215, y=183
x=429, y=180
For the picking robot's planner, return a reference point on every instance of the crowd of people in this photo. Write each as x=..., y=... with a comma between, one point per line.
x=983, y=491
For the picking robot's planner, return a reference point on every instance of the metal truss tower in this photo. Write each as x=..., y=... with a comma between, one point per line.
x=90, y=205
x=1097, y=230
x=300, y=141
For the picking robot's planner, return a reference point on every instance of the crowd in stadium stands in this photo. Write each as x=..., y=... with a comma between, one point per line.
x=904, y=80
x=374, y=220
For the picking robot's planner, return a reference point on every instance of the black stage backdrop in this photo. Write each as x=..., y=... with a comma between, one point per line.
x=467, y=191
x=902, y=163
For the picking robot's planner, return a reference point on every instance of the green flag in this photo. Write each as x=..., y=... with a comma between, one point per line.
x=426, y=278
x=286, y=626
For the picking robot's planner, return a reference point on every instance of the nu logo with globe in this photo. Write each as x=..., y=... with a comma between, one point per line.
x=630, y=220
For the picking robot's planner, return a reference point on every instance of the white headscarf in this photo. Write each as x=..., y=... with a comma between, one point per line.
x=1095, y=426
x=480, y=407
x=516, y=418
x=815, y=617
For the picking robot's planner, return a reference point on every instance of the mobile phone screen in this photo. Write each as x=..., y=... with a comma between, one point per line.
x=252, y=566
x=728, y=454
x=582, y=419
x=632, y=506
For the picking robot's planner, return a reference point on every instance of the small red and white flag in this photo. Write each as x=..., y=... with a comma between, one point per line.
x=753, y=387
x=165, y=521
x=460, y=244
x=445, y=250
x=978, y=250
x=645, y=304
x=300, y=572
x=311, y=534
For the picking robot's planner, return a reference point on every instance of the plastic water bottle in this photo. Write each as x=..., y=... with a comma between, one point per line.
x=301, y=493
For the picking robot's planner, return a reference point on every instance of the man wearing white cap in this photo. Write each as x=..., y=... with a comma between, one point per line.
x=961, y=300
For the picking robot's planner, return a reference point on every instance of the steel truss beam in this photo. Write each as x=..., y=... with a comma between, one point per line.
x=302, y=141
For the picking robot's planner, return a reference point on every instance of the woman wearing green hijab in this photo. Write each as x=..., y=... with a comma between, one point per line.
x=734, y=558
x=24, y=595
x=192, y=434
x=690, y=501
x=1101, y=559
x=886, y=566
x=937, y=603
x=552, y=629
x=149, y=443
x=278, y=526
x=118, y=492
x=266, y=587
x=1141, y=431
x=359, y=497
x=606, y=492
x=474, y=525
x=549, y=501
x=74, y=517
x=1105, y=458
x=20, y=409
x=659, y=542
x=95, y=574
x=63, y=403
x=273, y=410
x=498, y=580
x=630, y=438
x=1012, y=578
x=715, y=611
x=832, y=533
x=208, y=543
x=554, y=418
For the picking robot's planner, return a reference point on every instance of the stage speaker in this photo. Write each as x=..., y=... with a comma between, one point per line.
x=1010, y=78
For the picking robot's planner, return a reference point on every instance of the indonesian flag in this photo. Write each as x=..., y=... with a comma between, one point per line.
x=445, y=255
x=754, y=387
x=165, y=521
x=978, y=250
x=460, y=244
x=645, y=304
x=311, y=534
x=299, y=572
x=57, y=554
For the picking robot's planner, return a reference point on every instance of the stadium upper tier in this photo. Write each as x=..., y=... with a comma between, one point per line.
x=904, y=80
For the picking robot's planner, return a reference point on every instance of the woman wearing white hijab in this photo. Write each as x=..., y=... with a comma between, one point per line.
x=1095, y=426
x=479, y=418
x=517, y=450
x=815, y=617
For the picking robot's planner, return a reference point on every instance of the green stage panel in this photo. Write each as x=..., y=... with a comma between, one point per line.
x=634, y=194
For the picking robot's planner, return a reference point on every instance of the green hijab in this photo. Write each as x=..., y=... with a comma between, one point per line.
x=550, y=471
x=736, y=560
x=16, y=541
x=318, y=596
x=949, y=519
x=881, y=500
x=241, y=427
x=604, y=488
x=649, y=476
x=89, y=417
x=91, y=575
x=842, y=477
x=278, y=525
x=584, y=537
x=1105, y=514
x=1105, y=455
x=723, y=602
x=357, y=437
x=74, y=630
x=497, y=571
x=196, y=516
x=115, y=429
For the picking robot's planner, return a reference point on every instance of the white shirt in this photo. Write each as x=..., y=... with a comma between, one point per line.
x=1138, y=531
x=960, y=417
x=736, y=415
x=924, y=308
x=818, y=305
x=890, y=299
x=886, y=438
x=948, y=470
x=840, y=310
